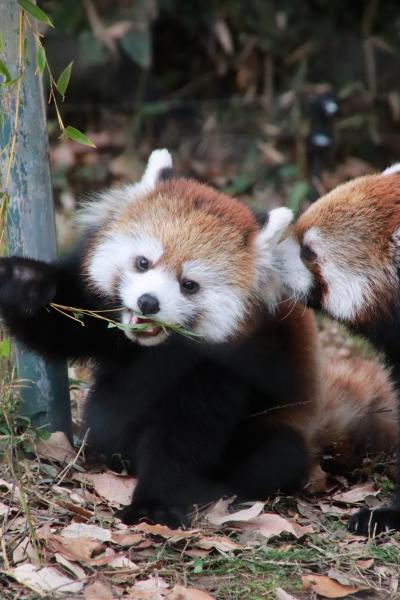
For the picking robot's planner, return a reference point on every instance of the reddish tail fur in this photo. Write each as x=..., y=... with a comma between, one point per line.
x=357, y=413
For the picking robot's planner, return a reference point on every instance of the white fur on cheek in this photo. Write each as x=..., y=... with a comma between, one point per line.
x=220, y=305
x=346, y=288
x=115, y=254
x=346, y=291
x=223, y=310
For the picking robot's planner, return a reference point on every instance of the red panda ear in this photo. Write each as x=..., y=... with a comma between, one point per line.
x=159, y=162
x=392, y=170
x=278, y=221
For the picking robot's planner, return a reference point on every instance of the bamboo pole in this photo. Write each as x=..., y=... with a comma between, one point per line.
x=30, y=218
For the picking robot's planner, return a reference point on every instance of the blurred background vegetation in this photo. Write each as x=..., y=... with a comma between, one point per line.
x=275, y=101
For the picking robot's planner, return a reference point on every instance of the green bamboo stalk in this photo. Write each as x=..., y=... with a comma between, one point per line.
x=30, y=213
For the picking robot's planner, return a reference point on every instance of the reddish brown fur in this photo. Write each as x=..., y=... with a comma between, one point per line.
x=358, y=411
x=195, y=222
x=359, y=218
x=348, y=408
x=370, y=204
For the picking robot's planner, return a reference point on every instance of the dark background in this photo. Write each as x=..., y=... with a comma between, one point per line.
x=233, y=88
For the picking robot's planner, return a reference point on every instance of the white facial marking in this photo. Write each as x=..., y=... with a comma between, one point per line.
x=392, y=170
x=108, y=204
x=347, y=288
x=115, y=254
x=162, y=284
x=346, y=291
x=220, y=304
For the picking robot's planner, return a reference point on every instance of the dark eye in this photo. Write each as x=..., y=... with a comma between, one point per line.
x=189, y=287
x=142, y=264
x=307, y=254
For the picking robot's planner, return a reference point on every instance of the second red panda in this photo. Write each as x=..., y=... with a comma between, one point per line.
x=343, y=256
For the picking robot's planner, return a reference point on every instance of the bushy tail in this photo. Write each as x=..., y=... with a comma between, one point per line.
x=357, y=415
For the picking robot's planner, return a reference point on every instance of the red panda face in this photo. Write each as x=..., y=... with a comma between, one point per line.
x=184, y=254
x=348, y=241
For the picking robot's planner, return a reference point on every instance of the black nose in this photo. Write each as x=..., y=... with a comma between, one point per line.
x=148, y=304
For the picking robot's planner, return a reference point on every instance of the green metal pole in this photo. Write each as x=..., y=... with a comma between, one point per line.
x=30, y=219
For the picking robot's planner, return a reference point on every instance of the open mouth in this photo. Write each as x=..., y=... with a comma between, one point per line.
x=144, y=326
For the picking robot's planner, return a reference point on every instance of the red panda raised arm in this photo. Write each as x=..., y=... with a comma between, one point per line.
x=344, y=257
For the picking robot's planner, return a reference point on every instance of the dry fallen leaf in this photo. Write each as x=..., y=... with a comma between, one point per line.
x=271, y=524
x=327, y=587
x=306, y=509
x=48, y=579
x=127, y=539
x=356, y=494
x=81, y=549
x=94, y=532
x=123, y=562
x=57, y=447
x=4, y=509
x=174, y=535
x=219, y=542
x=116, y=489
x=333, y=510
x=24, y=552
x=11, y=488
x=181, y=593
x=98, y=590
x=71, y=566
x=365, y=563
x=218, y=514
x=282, y=595
x=153, y=588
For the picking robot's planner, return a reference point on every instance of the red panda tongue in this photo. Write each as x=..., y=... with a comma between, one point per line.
x=136, y=320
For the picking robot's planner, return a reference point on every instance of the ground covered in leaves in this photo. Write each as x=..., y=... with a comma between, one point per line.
x=60, y=538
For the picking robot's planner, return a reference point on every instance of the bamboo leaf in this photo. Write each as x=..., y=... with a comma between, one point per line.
x=5, y=72
x=35, y=11
x=5, y=348
x=77, y=136
x=63, y=80
x=41, y=59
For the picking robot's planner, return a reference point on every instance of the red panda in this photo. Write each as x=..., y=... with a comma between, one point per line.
x=343, y=257
x=242, y=409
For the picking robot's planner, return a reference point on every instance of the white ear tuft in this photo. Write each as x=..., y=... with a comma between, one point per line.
x=158, y=161
x=392, y=170
x=279, y=220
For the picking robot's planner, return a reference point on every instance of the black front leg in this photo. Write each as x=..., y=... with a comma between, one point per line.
x=169, y=485
x=180, y=452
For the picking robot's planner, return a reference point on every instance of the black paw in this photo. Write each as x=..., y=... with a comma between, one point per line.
x=372, y=522
x=172, y=516
x=25, y=285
